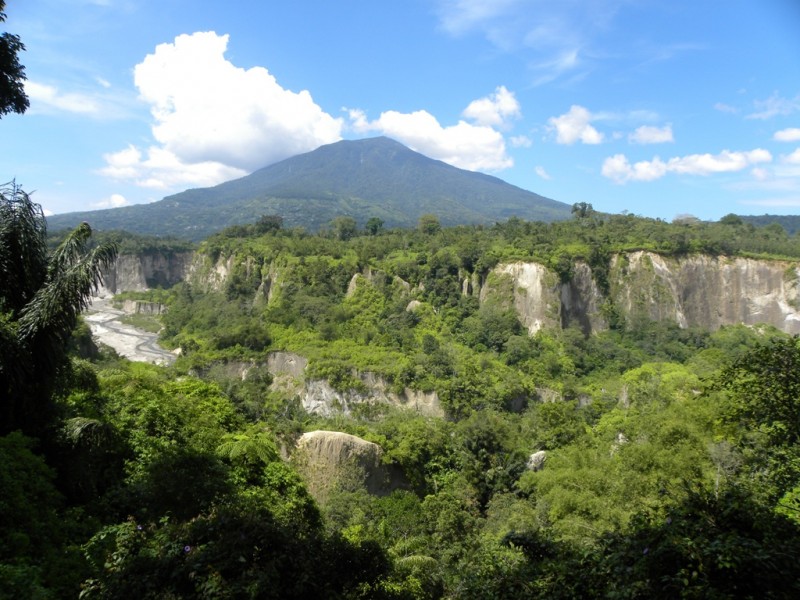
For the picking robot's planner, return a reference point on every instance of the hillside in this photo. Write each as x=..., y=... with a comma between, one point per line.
x=375, y=177
x=421, y=414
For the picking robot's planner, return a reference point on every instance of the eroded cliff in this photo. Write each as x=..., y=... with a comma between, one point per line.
x=692, y=291
x=139, y=272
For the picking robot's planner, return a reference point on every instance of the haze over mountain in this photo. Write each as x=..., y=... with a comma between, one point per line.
x=376, y=177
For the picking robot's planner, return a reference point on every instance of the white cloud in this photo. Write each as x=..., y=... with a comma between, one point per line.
x=461, y=16
x=49, y=98
x=618, y=168
x=539, y=170
x=213, y=120
x=113, y=201
x=791, y=134
x=495, y=110
x=464, y=145
x=792, y=159
x=47, y=212
x=575, y=126
x=647, y=134
x=774, y=106
x=520, y=141
x=161, y=169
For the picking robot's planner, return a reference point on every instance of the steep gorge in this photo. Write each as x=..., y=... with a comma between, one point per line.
x=691, y=291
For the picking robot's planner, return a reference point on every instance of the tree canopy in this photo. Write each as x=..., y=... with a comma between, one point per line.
x=12, y=72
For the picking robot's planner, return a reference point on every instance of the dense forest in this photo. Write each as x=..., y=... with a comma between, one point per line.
x=641, y=461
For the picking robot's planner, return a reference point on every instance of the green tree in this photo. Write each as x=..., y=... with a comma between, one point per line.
x=765, y=390
x=12, y=73
x=374, y=225
x=268, y=223
x=42, y=296
x=344, y=228
x=429, y=224
x=582, y=210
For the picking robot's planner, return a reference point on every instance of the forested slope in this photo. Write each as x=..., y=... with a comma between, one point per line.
x=630, y=457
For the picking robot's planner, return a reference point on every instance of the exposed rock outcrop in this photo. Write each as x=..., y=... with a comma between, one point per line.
x=704, y=291
x=328, y=459
x=534, y=290
x=139, y=272
x=536, y=461
x=318, y=396
x=142, y=307
x=693, y=291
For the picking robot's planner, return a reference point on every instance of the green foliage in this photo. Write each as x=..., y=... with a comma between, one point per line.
x=765, y=386
x=238, y=550
x=43, y=295
x=12, y=74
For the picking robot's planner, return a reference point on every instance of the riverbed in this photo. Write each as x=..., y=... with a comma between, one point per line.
x=130, y=342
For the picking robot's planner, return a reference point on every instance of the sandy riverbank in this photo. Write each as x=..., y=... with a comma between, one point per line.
x=130, y=342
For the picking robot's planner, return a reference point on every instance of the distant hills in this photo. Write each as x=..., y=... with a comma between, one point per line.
x=376, y=177
x=791, y=223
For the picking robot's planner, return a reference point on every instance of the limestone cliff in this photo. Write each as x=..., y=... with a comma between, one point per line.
x=697, y=290
x=692, y=291
x=317, y=396
x=139, y=272
x=704, y=291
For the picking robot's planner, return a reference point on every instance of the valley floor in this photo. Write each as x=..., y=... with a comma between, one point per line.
x=128, y=341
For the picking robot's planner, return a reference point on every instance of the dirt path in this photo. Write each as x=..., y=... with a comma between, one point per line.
x=134, y=344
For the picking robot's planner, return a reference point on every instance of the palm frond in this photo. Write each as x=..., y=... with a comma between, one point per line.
x=23, y=247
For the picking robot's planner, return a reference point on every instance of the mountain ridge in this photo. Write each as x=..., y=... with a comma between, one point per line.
x=374, y=177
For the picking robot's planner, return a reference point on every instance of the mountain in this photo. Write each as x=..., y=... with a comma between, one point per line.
x=376, y=177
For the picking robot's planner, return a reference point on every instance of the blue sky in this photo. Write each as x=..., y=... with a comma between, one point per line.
x=655, y=107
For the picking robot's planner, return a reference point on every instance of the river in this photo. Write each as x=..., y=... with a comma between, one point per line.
x=130, y=342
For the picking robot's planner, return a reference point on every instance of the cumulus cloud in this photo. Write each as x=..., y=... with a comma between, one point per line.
x=113, y=201
x=647, y=134
x=162, y=169
x=49, y=98
x=468, y=146
x=575, y=126
x=495, y=110
x=620, y=170
x=791, y=134
x=792, y=159
x=214, y=120
x=540, y=171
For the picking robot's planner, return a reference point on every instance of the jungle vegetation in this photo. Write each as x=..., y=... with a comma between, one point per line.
x=672, y=459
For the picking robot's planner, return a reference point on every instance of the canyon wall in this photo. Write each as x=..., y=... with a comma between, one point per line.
x=139, y=272
x=692, y=291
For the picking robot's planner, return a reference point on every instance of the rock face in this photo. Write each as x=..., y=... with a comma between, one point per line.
x=697, y=290
x=536, y=461
x=534, y=289
x=141, y=307
x=139, y=272
x=694, y=291
x=325, y=458
x=703, y=291
x=318, y=397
